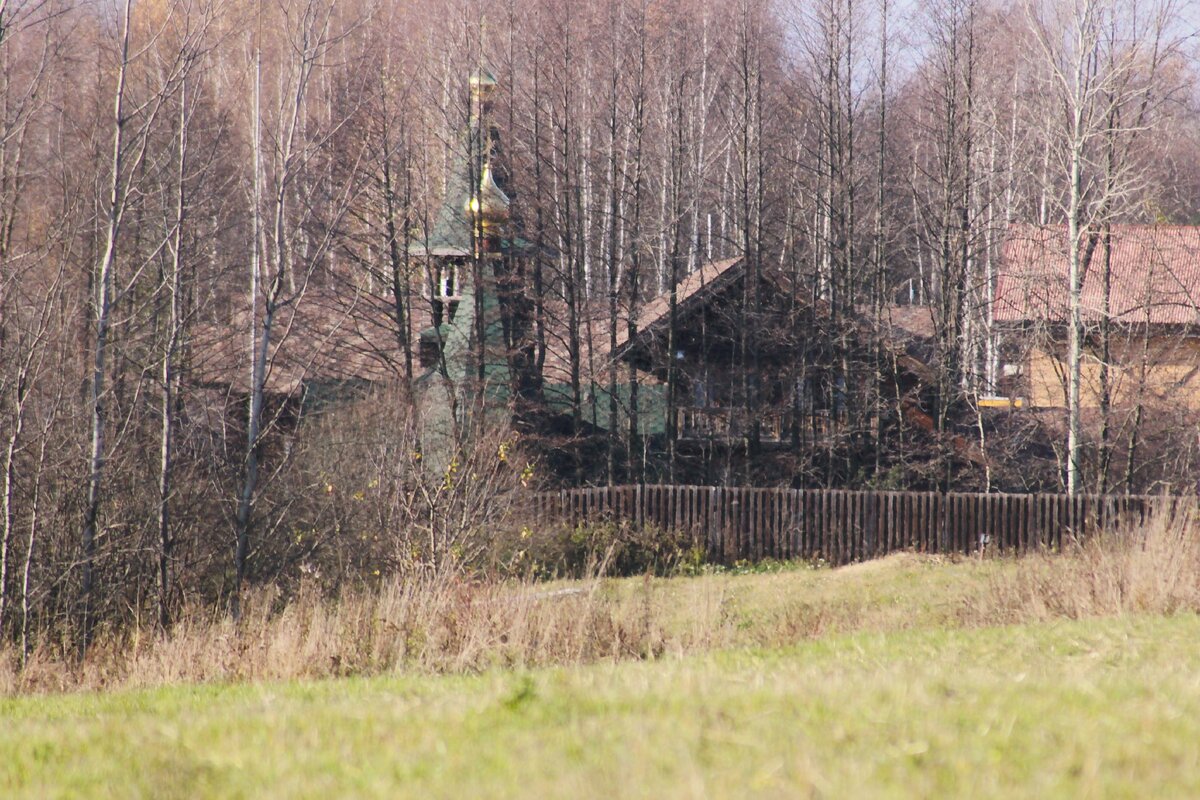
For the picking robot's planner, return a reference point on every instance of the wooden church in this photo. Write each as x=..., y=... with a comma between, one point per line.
x=738, y=374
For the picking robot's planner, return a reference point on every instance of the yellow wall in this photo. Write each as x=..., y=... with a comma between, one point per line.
x=1171, y=373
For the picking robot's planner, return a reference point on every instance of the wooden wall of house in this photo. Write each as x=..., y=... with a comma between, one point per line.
x=1161, y=369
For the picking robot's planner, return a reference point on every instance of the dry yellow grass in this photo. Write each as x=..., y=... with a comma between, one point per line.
x=455, y=626
x=1152, y=569
x=451, y=625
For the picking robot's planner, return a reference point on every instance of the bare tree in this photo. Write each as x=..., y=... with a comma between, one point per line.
x=282, y=259
x=1097, y=57
x=132, y=123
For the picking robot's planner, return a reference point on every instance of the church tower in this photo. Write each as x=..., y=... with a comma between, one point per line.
x=470, y=240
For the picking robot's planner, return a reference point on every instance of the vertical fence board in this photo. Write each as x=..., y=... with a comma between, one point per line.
x=840, y=526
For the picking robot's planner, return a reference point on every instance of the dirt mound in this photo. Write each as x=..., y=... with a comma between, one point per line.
x=888, y=562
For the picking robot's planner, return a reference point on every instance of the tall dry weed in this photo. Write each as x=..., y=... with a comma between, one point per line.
x=443, y=624
x=1150, y=568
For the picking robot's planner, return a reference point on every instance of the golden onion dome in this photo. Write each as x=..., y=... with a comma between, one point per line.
x=490, y=204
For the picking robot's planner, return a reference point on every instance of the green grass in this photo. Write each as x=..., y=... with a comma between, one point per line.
x=1100, y=708
x=795, y=602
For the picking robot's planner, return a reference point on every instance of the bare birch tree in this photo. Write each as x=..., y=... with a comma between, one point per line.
x=132, y=122
x=1097, y=57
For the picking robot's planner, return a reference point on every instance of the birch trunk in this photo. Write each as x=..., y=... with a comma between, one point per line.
x=115, y=207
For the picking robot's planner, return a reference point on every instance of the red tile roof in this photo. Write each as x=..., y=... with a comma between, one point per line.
x=1155, y=276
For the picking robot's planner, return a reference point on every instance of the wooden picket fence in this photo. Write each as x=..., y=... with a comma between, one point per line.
x=747, y=524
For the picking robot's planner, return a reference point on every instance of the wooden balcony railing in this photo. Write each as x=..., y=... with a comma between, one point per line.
x=723, y=423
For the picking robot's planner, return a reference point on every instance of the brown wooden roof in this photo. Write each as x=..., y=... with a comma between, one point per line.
x=654, y=314
x=342, y=333
x=325, y=334
x=907, y=321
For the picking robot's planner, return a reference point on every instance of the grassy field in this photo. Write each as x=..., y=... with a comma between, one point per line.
x=883, y=692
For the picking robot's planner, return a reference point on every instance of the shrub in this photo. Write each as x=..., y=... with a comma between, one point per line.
x=614, y=549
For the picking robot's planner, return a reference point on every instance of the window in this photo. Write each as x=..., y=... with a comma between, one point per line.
x=429, y=353
x=700, y=394
x=804, y=394
x=449, y=281
x=445, y=280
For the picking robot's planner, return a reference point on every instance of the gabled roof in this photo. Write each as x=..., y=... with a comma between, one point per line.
x=1155, y=276
x=342, y=333
x=691, y=291
x=708, y=281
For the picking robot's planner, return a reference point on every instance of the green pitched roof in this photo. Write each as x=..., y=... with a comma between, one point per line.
x=451, y=234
